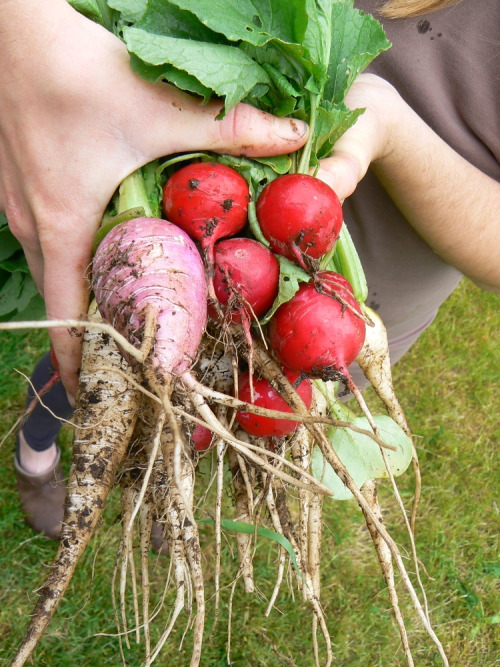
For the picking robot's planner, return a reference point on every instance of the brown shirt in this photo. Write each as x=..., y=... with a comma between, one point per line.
x=446, y=66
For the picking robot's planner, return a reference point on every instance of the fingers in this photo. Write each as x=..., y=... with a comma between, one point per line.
x=255, y=133
x=66, y=294
x=180, y=123
x=342, y=172
x=368, y=140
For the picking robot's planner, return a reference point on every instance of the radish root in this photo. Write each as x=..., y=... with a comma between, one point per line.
x=150, y=455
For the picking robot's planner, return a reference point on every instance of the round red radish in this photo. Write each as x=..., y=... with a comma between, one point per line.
x=202, y=438
x=298, y=213
x=246, y=278
x=267, y=397
x=208, y=200
x=318, y=333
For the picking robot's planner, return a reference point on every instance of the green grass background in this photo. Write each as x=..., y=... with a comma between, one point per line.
x=448, y=385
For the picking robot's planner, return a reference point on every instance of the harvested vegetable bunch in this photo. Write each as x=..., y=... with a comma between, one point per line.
x=189, y=379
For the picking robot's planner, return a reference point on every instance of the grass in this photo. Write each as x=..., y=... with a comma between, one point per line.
x=448, y=385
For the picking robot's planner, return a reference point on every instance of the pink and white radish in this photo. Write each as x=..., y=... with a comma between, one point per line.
x=150, y=265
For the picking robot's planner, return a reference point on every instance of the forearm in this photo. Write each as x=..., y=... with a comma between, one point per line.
x=449, y=202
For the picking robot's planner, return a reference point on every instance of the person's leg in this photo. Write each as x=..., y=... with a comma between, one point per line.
x=40, y=481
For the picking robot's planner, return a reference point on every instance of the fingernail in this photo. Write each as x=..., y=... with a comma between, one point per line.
x=290, y=129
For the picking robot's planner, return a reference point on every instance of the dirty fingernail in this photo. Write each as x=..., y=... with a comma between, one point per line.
x=290, y=128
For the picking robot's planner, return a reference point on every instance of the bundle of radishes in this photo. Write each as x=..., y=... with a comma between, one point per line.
x=236, y=314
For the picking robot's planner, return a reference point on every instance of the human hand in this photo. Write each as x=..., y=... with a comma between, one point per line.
x=74, y=122
x=429, y=181
x=369, y=140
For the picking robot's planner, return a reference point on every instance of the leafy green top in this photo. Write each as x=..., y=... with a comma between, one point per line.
x=294, y=58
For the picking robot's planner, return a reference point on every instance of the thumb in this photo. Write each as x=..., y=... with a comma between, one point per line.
x=180, y=123
x=342, y=172
x=249, y=131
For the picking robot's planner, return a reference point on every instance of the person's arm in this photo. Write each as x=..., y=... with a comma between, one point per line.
x=74, y=121
x=449, y=202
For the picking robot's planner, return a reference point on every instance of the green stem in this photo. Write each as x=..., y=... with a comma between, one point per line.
x=252, y=220
x=109, y=223
x=305, y=158
x=107, y=15
x=180, y=158
x=132, y=202
x=347, y=261
x=133, y=194
x=338, y=410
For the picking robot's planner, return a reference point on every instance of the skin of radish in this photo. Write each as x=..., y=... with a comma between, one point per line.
x=314, y=332
x=253, y=273
x=201, y=437
x=148, y=263
x=302, y=209
x=207, y=200
x=267, y=397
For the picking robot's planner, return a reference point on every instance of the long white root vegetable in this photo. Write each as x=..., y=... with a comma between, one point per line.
x=106, y=411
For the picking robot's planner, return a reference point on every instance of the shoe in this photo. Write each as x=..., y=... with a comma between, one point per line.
x=42, y=498
x=159, y=543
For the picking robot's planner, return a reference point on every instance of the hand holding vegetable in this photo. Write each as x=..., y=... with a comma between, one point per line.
x=410, y=159
x=74, y=121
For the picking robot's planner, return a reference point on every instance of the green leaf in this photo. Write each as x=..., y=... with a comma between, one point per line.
x=17, y=262
x=357, y=38
x=291, y=276
x=280, y=164
x=331, y=123
x=317, y=38
x=89, y=8
x=260, y=170
x=10, y=293
x=255, y=22
x=361, y=455
x=35, y=310
x=8, y=243
x=178, y=78
x=130, y=10
x=164, y=18
x=226, y=70
x=28, y=292
x=250, y=529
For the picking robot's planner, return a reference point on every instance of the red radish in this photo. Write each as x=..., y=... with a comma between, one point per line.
x=245, y=282
x=201, y=438
x=318, y=333
x=151, y=264
x=246, y=278
x=208, y=200
x=267, y=397
x=299, y=215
